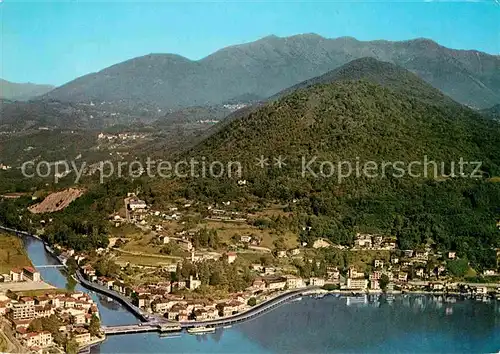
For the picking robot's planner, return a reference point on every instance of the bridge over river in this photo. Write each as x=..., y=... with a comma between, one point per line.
x=156, y=325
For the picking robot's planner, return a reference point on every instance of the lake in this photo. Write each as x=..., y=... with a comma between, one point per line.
x=333, y=324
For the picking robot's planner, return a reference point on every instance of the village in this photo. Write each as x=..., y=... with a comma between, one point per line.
x=161, y=287
x=49, y=320
x=195, y=262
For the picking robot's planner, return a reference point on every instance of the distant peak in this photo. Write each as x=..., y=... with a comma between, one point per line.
x=270, y=37
x=310, y=35
x=423, y=41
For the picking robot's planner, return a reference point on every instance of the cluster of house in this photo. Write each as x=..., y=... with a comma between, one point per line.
x=178, y=309
x=287, y=253
x=21, y=274
x=139, y=210
x=250, y=239
x=282, y=282
x=224, y=215
x=158, y=298
x=412, y=264
x=120, y=136
x=74, y=310
x=235, y=106
x=374, y=242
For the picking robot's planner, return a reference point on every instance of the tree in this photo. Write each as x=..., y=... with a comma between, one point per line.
x=458, y=267
x=279, y=244
x=71, y=346
x=70, y=283
x=266, y=260
x=95, y=326
x=36, y=325
x=384, y=281
x=72, y=266
x=252, y=301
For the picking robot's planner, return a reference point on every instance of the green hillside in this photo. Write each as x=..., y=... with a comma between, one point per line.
x=364, y=121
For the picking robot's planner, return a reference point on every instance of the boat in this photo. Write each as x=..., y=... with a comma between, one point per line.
x=169, y=335
x=201, y=330
x=226, y=327
x=297, y=299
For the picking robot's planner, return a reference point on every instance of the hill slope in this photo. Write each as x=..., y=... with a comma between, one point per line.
x=269, y=65
x=359, y=122
x=15, y=91
x=378, y=72
x=492, y=112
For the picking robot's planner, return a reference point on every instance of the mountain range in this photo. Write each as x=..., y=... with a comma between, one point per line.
x=14, y=91
x=272, y=64
x=365, y=108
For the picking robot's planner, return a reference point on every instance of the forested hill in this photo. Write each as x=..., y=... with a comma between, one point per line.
x=403, y=119
x=362, y=120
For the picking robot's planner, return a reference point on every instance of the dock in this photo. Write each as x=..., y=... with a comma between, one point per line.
x=140, y=328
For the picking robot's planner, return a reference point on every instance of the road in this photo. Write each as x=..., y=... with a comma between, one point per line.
x=257, y=310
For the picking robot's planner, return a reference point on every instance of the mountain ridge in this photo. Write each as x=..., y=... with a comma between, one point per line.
x=271, y=64
x=22, y=91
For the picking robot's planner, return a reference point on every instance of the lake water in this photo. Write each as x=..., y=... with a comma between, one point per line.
x=376, y=324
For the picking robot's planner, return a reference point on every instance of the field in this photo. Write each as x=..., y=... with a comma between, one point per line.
x=142, y=244
x=149, y=260
x=56, y=201
x=226, y=230
x=12, y=254
x=363, y=258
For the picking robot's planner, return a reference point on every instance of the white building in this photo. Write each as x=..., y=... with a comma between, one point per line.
x=137, y=204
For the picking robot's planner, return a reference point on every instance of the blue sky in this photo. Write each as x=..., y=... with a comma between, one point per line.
x=57, y=41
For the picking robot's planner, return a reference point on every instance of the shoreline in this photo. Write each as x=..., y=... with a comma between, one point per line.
x=303, y=292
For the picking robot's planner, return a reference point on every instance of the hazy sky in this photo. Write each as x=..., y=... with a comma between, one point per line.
x=57, y=41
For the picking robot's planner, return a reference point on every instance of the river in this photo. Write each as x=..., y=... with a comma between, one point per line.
x=376, y=324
